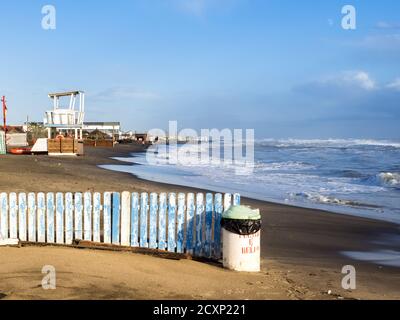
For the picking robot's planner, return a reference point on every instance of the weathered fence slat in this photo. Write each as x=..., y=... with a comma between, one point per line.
x=69, y=214
x=87, y=220
x=22, y=208
x=208, y=225
x=135, y=220
x=96, y=216
x=199, y=224
x=41, y=217
x=227, y=201
x=162, y=222
x=50, y=218
x=217, y=225
x=115, y=237
x=125, y=219
x=13, y=216
x=78, y=216
x=4, y=215
x=190, y=223
x=153, y=221
x=60, y=218
x=236, y=199
x=144, y=210
x=107, y=217
x=31, y=217
x=181, y=223
x=172, y=222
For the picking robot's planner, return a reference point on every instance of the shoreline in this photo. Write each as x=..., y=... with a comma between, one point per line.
x=304, y=245
x=247, y=198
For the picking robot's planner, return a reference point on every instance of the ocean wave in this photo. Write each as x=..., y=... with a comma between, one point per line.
x=389, y=179
x=337, y=143
x=322, y=199
x=288, y=165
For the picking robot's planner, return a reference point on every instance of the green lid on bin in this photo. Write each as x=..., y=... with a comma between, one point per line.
x=241, y=213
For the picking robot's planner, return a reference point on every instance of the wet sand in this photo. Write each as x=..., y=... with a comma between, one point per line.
x=301, y=248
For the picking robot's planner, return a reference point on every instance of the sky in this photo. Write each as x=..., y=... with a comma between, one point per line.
x=285, y=68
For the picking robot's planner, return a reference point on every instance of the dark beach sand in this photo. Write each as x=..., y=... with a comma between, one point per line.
x=300, y=247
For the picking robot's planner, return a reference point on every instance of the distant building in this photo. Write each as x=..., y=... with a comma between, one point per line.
x=109, y=128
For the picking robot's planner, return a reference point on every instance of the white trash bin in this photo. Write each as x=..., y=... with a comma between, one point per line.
x=241, y=235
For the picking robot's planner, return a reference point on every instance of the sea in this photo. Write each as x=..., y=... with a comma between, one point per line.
x=345, y=176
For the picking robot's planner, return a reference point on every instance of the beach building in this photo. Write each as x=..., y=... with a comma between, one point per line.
x=111, y=129
x=15, y=136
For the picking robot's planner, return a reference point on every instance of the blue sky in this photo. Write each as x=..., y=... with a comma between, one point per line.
x=285, y=68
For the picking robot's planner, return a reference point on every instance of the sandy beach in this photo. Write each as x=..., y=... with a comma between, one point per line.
x=301, y=248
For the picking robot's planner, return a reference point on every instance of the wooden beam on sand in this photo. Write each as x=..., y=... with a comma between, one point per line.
x=82, y=244
x=9, y=243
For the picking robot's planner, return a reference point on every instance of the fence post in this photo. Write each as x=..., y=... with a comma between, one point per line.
x=199, y=224
x=125, y=219
x=4, y=215
x=181, y=223
x=22, y=208
x=190, y=223
x=115, y=218
x=41, y=216
x=144, y=210
x=78, y=216
x=87, y=220
x=60, y=218
x=162, y=222
x=153, y=220
x=135, y=220
x=172, y=222
x=31, y=217
x=107, y=217
x=13, y=216
x=69, y=222
x=50, y=218
x=96, y=216
x=217, y=226
x=208, y=225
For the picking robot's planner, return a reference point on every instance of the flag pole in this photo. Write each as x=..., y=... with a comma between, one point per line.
x=4, y=116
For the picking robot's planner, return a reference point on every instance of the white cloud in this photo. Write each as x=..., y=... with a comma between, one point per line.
x=360, y=79
x=395, y=84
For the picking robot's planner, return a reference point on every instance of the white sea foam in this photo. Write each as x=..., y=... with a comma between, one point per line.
x=323, y=199
x=389, y=179
x=388, y=258
x=340, y=143
x=335, y=175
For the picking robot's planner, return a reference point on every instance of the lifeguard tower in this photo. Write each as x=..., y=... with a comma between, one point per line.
x=66, y=121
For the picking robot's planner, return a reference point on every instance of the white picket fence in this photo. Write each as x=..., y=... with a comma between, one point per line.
x=175, y=223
